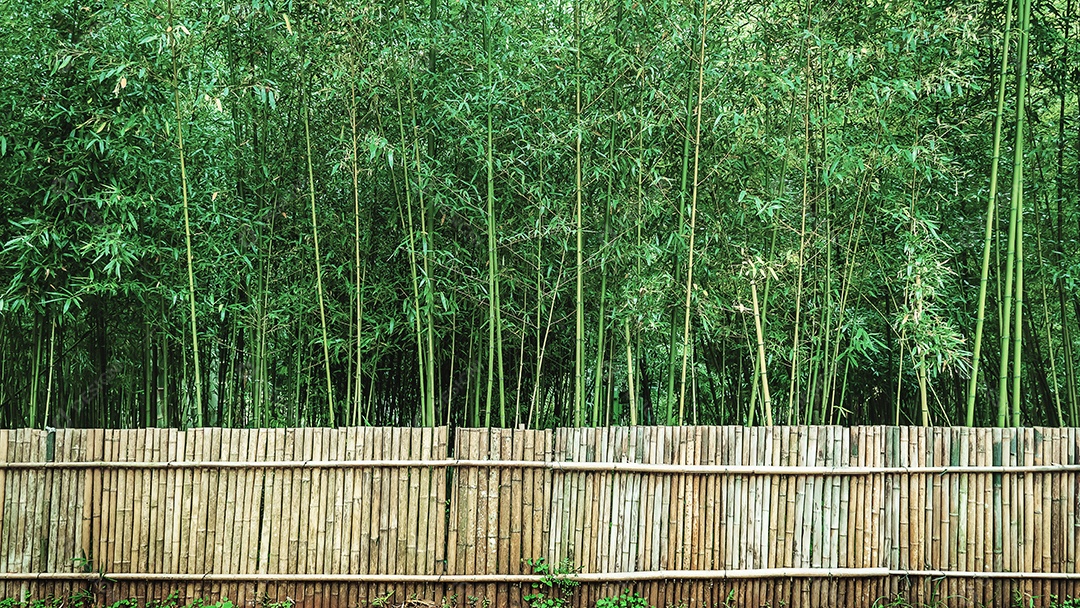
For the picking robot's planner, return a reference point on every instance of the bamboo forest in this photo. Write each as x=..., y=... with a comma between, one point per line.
x=539, y=213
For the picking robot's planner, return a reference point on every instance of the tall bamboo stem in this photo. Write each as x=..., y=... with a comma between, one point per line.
x=991, y=211
x=1018, y=195
x=187, y=218
x=693, y=213
x=318, y=275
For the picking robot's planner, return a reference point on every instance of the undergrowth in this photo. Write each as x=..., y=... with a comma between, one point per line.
x=626, y=600
x=555, y=587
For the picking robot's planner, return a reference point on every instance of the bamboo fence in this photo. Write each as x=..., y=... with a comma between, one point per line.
x=698, y=516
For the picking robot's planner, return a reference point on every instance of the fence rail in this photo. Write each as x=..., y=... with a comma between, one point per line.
x=808, y=516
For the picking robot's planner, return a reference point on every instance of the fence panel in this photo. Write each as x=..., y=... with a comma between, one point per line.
x=807, y=516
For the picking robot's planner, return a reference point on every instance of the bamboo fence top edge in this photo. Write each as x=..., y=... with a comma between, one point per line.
x=780, y=427
x=570, y=466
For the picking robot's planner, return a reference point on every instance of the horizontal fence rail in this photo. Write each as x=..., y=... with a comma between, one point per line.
x=611, y=467
x=800, y=515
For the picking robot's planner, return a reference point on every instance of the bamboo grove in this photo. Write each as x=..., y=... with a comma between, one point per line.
x=548, y=213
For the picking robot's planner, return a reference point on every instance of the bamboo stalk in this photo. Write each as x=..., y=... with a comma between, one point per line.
x=693, y=212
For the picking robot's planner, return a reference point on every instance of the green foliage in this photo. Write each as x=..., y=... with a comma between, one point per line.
x=624, y=600
x=845, y=151
x=1068, y=602
x=556, y=586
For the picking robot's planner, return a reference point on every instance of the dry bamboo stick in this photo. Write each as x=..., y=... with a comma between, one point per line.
x=468, y=559
x=317, y=524
x=625, y=542
x=167, y=529
x=579, y=506
x=492, y=447
x=336, y=511
x=776, y=500
x=140, y=534
x=125, y=503
x=519, y=504
x=71, y=551
x=437, y=533
x=113, y=502
x=366, y=501
x=35, y=505
x=1069, y=530
x=158, y=443
x=410, y=542
x=645, y=559
x=242, y=515
x=997, y=456
x=604, y=517
x=102, y=489
x=456, y=481
x=748, y=523
x=730, y=540
x=945, y=506
x=1014, y=540
x=350, y=516
x=668, y=513
x=815, y=447
x=271, y=508
x=324, y=449
x=503, y=439
x=260, y=480
x=296, y=487
x=54, y=534
x=841, y=495
x=560, y=487
x=543, y=512
x=712, y=527
x=527, y=440
x=791, y=490
x=312, y=504
x=87, y=452
x=433, y=479
x=382, y=503
x=275, y=531
x=1045, y=495
x=17, y=493
x=252, y=485
x=192, y=451
x=1056, y=546
x=984, y=502
x=695, y=510
x=5, y=481
x=801, y=547
x=488, y=510
x=215, y=521
x=1029, y=499
x=738, y=499
x=881, y=500
x=971, y=524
